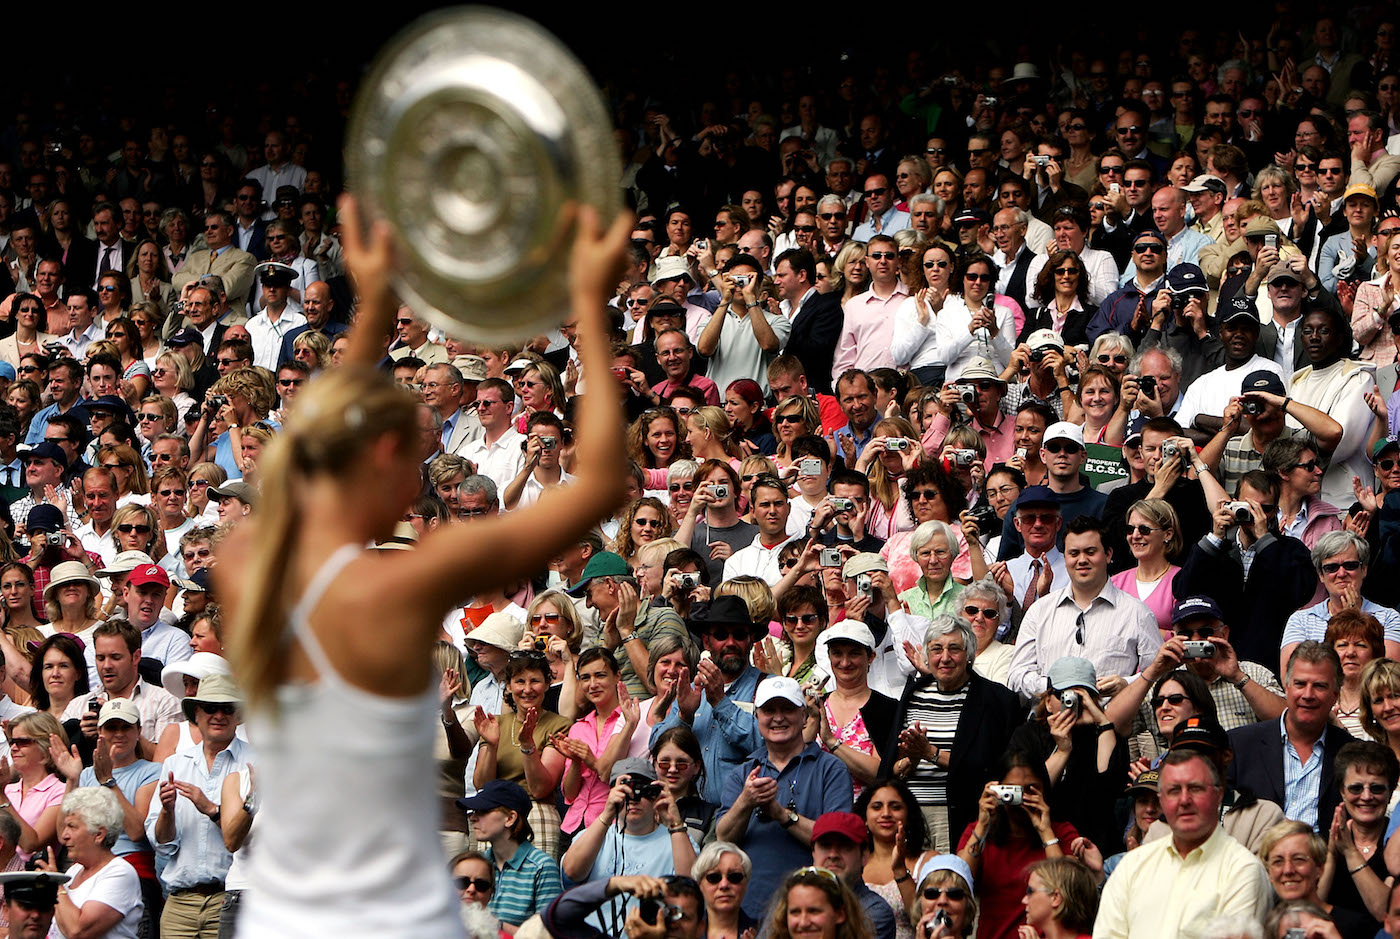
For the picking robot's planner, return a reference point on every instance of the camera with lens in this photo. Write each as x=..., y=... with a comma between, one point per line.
x=968, y=393
x=1170, y=451
x=897, y=443
x=1009, y=795
x=830, y=557
x=962, y=457
x=689, y=581
x=1197, y=649
x=985, y=518
x=1042, y=160
x=842, y=505
x=864, y=585
x=1178, y=301
x=720, y=490
x=549, y=443
x=216, y=403
x=653, y=910
x=645, y=791
x=1251, y=407
x=742, y=280
x=1241, y=511
x=1147, y=384
x=541, y=643
x=1070, y=701
x=810, y=466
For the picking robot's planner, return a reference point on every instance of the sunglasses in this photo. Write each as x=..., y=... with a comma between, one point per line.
x=929, y=265
x=129, y=528
x=878, y=191
x=1130, y=129
x=165, y=493
x=1115, y=359
x=1135, y=183
x=806, y=619
x=952, y=893
x=1386, y=465
x=734, y=877
x=1077, y=126
x=832, y=216
x=727, y=633
x=1331, y=567
x=1043, y=518
x=1310, y=466
x=679, y=487
x=1062, y=446
x=1143, y=530
x=882, y=255
x=537, y=618
x=971, y=611
x=226, y=707
x=1375, y=788
x=804, y=229
x=929, y=494
x=647, y=522
x=290, y=382
x=984, y=278
x=936, y=150
x=1204, y=632
x=21, y=741
x=978, y=152
x=1305, y=167
x=481, y=884
x=1173, y=699
x=1110, y=169
x=1152, y=248
x=786, y=419
x=1066, y=270
x=1330, y=171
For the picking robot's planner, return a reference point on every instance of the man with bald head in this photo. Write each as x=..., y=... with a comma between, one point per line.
x=279, y=170
x=317, y=305
x=1169, y=215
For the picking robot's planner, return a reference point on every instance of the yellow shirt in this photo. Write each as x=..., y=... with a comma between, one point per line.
x=1155, y=892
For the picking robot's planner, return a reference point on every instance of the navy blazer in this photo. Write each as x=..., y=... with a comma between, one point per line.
x=813, y=338
x=1258, y=766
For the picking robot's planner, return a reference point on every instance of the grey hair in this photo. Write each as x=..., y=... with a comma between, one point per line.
x=831, y=199
x=839, y=159
x=170, y=215
x=96, y=807
x=213, y=280
x=9, y=828
x=987, y=587
x=453, y=373
x=436, y=417
x=1282, y=911
x=911, y=238
x=925, y=198
x=1334, y=543
x=479, y=484
x=1109, y=341
x=1312, y=652
x=1019, y=216
x=945, y=624
x=924, y=534
x=709, y=857
x=682, y=469
x=1173, y=359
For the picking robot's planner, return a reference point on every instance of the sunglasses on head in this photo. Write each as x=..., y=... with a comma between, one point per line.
x=1331, y=567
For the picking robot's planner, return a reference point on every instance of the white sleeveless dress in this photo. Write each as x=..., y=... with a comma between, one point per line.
x=347, y=829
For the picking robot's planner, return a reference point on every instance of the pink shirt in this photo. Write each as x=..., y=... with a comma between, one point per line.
x=48, y=792
x=593, y=794
x=867, y=331
x=1160, y=601
x=1000, y=439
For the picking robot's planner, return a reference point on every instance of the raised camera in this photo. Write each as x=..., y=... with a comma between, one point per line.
x=720, y=490
x=962, y=457
x=1069, y=700
x=864, y=585
x=809, y=467
x=842, y=505
x=968, y=393
x=1009, y=795
x=689, y=581
x=1041, y=160
x=1170, y=451
x=1198, y=649
x=549, y=443
x=1252, y=408
x=1147, y=384
x=897, y=443
x=1241, y=511
x=830, y=557
x=985, y=517
x=541, y=643
x=742, y=280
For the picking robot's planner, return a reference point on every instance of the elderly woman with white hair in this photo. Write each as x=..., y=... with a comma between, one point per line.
x=102, y=898
x=956, y=725
x=722, y=870
x=933, y=547
x=983, y=604
x=1114, y=351
x=1341, y=560
x=680, y=486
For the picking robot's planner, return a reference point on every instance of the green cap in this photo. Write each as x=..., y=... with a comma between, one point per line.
x=602, y=564
x=1382, y=445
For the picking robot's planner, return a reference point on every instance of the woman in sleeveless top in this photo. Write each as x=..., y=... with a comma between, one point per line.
x=344, y=720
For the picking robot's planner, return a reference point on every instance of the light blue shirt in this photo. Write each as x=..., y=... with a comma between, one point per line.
x=1340, y=251
x=196, y=855
x=1311, y=623
x=727, y=732
x=892, y=221
x=1302, y=782
x=129, y=780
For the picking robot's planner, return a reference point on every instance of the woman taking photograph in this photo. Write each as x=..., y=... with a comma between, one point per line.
x=898, y=837
x=515, y=745
x=1154, y=537
x=553, y=619
x=722, y=870
x=888, y=463
x=596, y=741
x=743, y=405
x=27, y=339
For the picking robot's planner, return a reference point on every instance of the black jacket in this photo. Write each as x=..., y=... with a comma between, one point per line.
x=1187, y=497
x=1258, y=766
x=813, y=338
x=990, y=715
x=1281, y=580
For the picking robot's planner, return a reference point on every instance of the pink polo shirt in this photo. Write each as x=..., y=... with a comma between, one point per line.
x=867, y=330
x=32, y=804
x=1000, y=439
x=593, y=795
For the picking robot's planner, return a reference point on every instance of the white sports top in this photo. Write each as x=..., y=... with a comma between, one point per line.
x=347, y=828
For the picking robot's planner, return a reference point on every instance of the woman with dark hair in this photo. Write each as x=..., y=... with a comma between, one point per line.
x=1358, y=639
x=28, y=337
x=1008, y=838
x=680, y=767
x=1176, y=697
x=642, y=522
x=898, y=837
x=1336, y=384
x=515, y=745
x=1061, y=297
x=596, y=741
x=21, y=631
x=59, y=675
x=976, y=320
x=743, y=405
x=915, y=343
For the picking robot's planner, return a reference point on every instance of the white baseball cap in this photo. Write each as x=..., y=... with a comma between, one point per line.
x=1064, y=430
x=850, y=630
x=779, y=687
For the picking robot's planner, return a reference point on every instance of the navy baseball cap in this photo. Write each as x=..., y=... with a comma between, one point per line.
x=44, y=517
x=1262, y=380
x=1187, y=278
x=1036, y=495
x=47, y=450
x=1134, y=432
x=1239, y=306
x=1193, y=607
x=187, y=336
x=972, y=217
x=498, y=794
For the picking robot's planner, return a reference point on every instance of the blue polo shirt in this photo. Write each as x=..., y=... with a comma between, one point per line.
x=812, y=783
x=527, y=884
x=727, y=732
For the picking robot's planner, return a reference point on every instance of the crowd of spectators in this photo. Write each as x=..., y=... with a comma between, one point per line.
x=1013, y=518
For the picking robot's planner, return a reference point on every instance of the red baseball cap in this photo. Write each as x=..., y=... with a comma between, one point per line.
x=847, y=824
x=148, y=574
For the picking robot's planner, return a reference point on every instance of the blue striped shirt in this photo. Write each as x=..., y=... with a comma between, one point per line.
x=1302, y=782
x=1311, y=623
x=525, y=885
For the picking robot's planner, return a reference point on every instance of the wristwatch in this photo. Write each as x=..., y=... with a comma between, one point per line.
x=111, y=783
x=792, y=818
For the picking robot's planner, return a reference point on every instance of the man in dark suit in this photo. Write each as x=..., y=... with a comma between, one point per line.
x=816, y=317
x=250, y=230
x=1290, y=761
x=110, y=252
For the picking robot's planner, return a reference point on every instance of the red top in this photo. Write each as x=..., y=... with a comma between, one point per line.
x=1001, y=884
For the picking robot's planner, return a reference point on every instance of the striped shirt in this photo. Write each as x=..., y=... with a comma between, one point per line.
x=938, y=713
x=1240, y=457
x=1311, y=623
x=1302, y=782
x=525, y=884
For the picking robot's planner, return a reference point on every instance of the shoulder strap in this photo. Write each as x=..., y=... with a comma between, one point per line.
x=330, y=569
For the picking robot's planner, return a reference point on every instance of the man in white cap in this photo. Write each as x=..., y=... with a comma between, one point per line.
x=1207, y=196
x=278, y=316
x=490, y=645
x=671, y=276
x=1041, y=359
x=769, y=803
x=183, y=820
x=1063, y=452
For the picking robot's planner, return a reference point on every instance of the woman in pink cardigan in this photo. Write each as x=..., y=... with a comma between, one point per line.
x=1154, y=537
